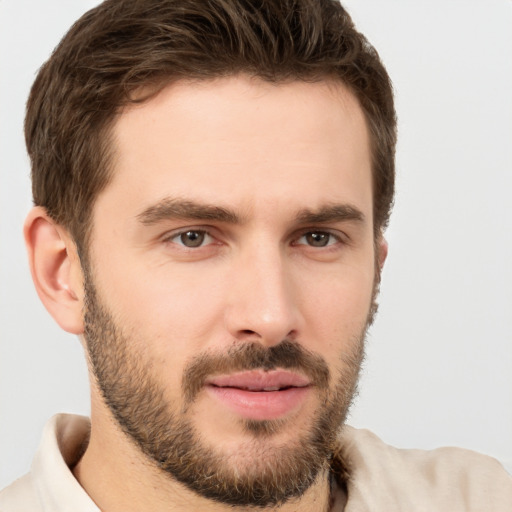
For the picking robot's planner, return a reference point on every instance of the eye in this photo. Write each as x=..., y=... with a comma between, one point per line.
x=318, y=239
x=191, y=238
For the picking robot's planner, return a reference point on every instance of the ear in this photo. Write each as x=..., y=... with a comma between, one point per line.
x=382, y=251
x=55, y=269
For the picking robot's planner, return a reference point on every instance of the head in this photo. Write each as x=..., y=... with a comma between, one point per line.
x=218, y=175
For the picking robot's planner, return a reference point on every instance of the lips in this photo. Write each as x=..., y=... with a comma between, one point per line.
x=260, y=395
x=259, y=380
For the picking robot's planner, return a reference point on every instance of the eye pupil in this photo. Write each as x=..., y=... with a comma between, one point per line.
x=317, y=239
x=192, y=238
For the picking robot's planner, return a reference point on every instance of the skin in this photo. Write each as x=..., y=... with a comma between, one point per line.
x=266, y=153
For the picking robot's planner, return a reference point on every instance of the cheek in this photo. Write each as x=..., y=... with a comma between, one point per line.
x=174, y=311
x=336, y=308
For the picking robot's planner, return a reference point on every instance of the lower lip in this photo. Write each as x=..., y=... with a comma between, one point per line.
x=260, y=405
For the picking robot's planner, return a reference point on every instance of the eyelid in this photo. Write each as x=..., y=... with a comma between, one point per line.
x=340, y=236
x=169, y=236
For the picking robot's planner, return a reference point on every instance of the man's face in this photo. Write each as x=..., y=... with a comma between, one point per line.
x=232, y=272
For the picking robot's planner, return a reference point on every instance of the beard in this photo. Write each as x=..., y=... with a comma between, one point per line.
x=261, y=473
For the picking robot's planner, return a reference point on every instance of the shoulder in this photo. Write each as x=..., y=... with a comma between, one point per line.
x=20, y=496
x=445, y=479
x=50, y=484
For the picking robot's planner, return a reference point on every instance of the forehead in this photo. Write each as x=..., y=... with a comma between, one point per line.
x=243, y=141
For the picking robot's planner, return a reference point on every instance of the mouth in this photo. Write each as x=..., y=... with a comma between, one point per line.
x=260, y=395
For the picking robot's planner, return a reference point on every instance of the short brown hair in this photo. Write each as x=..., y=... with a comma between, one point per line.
x=123, y=46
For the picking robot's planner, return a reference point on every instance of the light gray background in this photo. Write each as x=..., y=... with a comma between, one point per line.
x=439, y=366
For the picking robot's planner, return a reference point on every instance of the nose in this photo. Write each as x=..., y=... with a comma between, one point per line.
x=262, y=305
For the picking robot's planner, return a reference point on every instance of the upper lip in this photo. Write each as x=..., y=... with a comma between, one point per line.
x=259, y=380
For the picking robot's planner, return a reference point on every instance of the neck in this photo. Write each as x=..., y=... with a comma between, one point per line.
x=118, y=477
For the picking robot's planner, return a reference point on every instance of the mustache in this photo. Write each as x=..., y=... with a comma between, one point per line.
x=288, y=355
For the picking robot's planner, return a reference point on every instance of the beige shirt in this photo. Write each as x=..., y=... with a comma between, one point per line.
x=380, y=477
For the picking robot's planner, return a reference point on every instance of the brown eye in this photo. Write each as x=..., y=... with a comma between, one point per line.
x=318, y=238
x=192, y=238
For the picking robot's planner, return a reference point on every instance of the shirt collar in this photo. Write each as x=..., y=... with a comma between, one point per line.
x=60, y=447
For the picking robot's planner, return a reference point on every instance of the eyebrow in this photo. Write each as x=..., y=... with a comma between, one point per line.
x=331, y=213
x=173, y=208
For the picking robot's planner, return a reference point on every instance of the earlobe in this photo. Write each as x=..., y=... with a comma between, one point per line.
x=55, y=269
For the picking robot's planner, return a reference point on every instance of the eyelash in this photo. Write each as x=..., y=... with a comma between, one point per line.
x=333, y=239
x=173, y=236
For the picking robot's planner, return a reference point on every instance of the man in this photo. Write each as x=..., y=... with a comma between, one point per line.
x=212, y=182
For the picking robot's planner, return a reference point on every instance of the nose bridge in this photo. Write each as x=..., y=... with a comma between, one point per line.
x=262, y=303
